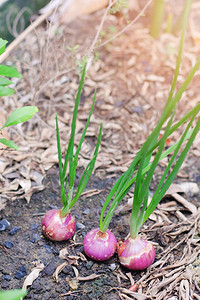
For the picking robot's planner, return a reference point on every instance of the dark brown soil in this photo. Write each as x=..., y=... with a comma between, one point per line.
x=29, y=246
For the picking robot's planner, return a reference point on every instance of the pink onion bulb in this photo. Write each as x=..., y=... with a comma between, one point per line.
x=99, y=245
x=136, y=254
x=58, y=228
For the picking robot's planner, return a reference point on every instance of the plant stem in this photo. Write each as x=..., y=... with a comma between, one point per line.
x=157, y=17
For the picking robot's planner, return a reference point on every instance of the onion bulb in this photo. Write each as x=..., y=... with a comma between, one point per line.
x=99, y=245
x=136, y=254
x=58, y=228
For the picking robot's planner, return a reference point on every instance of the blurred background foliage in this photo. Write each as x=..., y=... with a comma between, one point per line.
x=15, y=16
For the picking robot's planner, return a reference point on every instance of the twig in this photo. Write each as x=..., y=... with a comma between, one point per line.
x=92, y=47
x=127, y=27
x=101, y=25
x=22, y=36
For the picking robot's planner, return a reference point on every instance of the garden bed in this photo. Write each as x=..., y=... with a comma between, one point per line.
x=132, y=74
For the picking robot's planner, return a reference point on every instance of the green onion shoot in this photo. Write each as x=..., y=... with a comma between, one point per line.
x=59, y=224
x=136, y=253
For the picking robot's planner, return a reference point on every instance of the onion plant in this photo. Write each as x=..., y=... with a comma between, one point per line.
x=59, y=224
x=136, y=253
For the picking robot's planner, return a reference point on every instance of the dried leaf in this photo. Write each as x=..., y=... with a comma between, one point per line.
x=190, y=206
x=89, y=277
x=58, y=270
x=33, y=275
x=137, y=296
x=76, y=272
x=189, y=188
x=63, y=253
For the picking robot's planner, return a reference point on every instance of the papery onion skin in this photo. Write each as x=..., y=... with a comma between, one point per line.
x=136, y=254
x=98, y=245
x=57, y=228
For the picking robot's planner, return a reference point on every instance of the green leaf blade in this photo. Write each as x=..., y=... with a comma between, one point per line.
x=6, y=91
x=12, y=294
x=88, y=170
x=9, y=143
x=2, y=45
x=158, y=196
x=75, y=162
x=9, y=72
x=5, y=81
x=20, y=115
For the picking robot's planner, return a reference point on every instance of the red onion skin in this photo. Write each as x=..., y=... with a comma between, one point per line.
x=98, y=245
x=136, y=254
x=57, y=228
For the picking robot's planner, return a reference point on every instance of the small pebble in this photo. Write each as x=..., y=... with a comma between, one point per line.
x=86, y=211
x=8, y=244
x=112, y=267
x=34, y=226
x=21, y=272
x=53, y=206
x=80, y=225
x=4, y=224
x=7, y=277
x=14, y=230
x=35, y=237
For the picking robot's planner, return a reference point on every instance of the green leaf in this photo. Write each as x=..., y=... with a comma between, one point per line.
x=62, y=192
x=59, y=147
x=161, y=190
x=6, y=91
x=69, y=153
x=2, y=45
x=12, y=294
x=9, y=144
x=75, y=163
x=122, y=186
x=73, y=127
x=9, y=72
x=5, y=81
x=88, y=170
x=20, y=115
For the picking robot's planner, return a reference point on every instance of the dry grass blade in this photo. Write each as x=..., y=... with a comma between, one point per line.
x=137, y=296
x=190, y=206
x=58, y=270
x=164, y=283
x=89, y=277
x=33, y=275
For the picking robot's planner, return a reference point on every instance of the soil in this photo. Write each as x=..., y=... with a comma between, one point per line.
x=30, y=247
x=133, y=76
